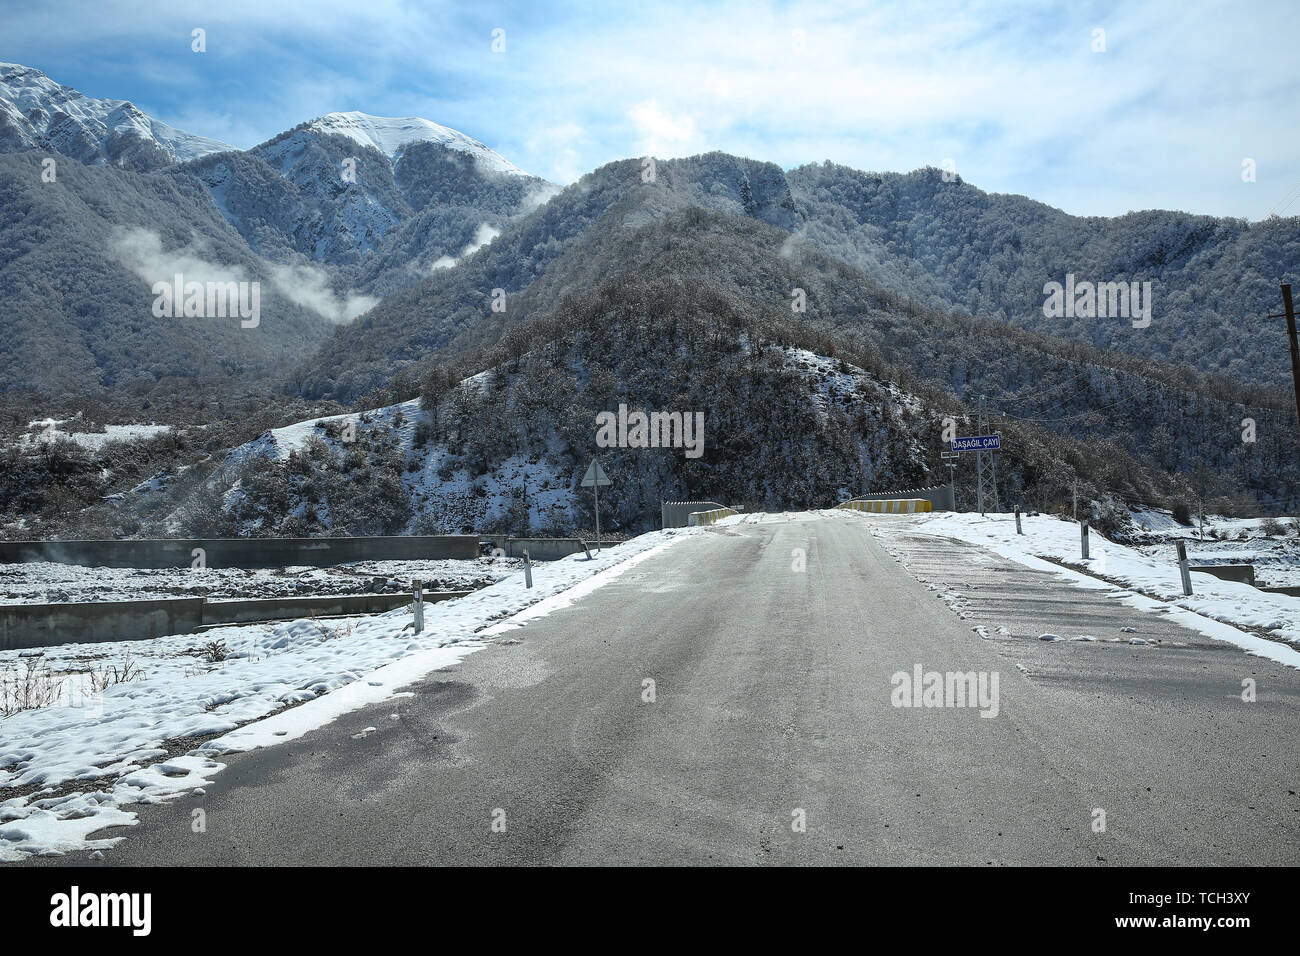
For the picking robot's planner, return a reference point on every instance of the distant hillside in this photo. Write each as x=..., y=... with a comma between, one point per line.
x=505, y=449
x=78, y=260
x=793, y=419
x=386, y=201
x=951, y=246
x=1172, y=417
x=565, y=248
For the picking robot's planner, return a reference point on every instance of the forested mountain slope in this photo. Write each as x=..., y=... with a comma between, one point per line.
x=78, y=260
x=386, y=201
x=793, y=418
x=1167, y=415
x=950, y=245
x=563, y=248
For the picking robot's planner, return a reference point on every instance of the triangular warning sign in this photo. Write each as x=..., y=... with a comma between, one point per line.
x=595, y=475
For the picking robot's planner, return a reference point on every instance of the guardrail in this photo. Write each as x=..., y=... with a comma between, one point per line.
x=941, y=497
x=888, y=506
x=676, y=514
x=713, y=516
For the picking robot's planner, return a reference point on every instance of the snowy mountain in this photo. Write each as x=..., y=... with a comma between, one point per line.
x=391, y=136
x=38, y=113
x=387, y=201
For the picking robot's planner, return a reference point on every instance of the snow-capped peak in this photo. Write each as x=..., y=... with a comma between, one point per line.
x=392, y=134
x=37, y=112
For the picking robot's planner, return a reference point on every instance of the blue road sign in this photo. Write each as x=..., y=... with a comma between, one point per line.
x=978, y=443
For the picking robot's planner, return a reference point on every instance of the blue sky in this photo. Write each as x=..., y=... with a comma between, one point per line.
x=1012, y=93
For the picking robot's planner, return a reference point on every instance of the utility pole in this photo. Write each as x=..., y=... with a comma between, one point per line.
x=982, y=425
x=1295, y=349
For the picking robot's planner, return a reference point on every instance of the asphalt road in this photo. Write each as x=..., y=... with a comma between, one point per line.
x=772, y=695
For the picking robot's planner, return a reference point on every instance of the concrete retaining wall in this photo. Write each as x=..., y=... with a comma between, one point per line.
x=676, y=514
x=45, y=625
x=327, y=605
x=541, y=549
x=241, y=552
x=1243, y=573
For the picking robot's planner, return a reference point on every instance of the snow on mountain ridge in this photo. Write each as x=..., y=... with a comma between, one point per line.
x=37, y=112
x=392, y=134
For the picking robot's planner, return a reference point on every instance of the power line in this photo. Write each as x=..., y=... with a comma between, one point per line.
x=1291, y=196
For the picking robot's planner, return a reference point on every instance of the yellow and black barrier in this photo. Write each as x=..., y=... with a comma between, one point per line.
x=889, y=506
x=697, y=518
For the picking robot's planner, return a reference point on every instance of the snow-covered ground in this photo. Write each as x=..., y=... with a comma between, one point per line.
x=51, y=429
x=1226, y=541
x=41, y=582
x=1260, y=622
x=78, y=766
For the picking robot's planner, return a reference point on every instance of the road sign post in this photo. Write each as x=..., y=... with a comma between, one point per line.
x=593, y=479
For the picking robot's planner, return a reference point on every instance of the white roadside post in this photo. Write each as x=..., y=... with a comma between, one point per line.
x=1018, y=531
x=418, y=586
x=528, y=570
x=593, y=479
x=1083, y=538
x=1183, y=570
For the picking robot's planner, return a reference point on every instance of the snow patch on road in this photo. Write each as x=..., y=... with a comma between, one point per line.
x=1223, y=610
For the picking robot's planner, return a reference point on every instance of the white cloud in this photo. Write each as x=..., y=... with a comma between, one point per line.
x=482, y=236
x=661, y=134
x=308, y=286
x=141, y=251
